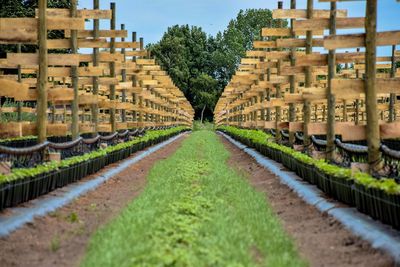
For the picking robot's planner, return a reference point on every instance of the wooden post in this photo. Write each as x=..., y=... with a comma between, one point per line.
x=112, y=71
x=19, y=108
x=392, y=103
x=373, y=134
x=292, y=78
x=124, y=79
x=278, y=110
x=134, y=97
x=95, y=107
x=357, y=113
x=43, y=73
x=74, y=75
x=308, y=82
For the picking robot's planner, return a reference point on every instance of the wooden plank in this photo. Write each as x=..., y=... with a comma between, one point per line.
x=66, y=44
x=84, y=13
x=31, y=59
x=127, y=45
x=285, y=32
x=358, y=40
x=323, y=24
x=390, y=130
x=102, y=34
x=141, y=53
x=357, y=86
x=13, y=89
x=103, y=57
x=31, y=24
x=294, y=42
x=302, y=13
x=18, y=36
x=264, y=44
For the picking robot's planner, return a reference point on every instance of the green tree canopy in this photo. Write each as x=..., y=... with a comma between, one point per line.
x=202, y=65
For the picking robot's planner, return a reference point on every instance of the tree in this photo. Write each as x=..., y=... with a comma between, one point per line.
x=201, y=65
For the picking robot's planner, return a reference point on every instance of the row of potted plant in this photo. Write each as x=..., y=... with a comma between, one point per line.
x=379, y=198
x=26, y=184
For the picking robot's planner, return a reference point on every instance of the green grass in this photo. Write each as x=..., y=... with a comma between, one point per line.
x=195, y=211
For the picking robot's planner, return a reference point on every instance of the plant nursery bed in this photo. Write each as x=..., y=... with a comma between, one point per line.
x=320, y=239
x=60, y=238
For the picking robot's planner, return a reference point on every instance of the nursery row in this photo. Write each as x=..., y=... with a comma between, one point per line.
x=26, y=184
x=379, y=198
x=196, y=210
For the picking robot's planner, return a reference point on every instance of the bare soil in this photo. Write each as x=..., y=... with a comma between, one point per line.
x=320, y=239
x=60, y=239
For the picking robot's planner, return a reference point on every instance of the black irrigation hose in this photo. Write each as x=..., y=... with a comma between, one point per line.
x=394, y=154
x=285, y=134
x=109, y=137
x=350, y=148
x=299, y=137
x=91, y=140
x=124, y=134
x=66, y=145
x=23, y=151
x=318, y=142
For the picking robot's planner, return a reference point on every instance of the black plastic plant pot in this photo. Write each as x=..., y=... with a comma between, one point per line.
x=361, y=199
x=3, y=192
x=306, y=172
x=286, y=160
x=342, y=190
x=323, y=181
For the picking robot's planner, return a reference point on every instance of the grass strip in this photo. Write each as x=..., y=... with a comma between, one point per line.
x=195, y=211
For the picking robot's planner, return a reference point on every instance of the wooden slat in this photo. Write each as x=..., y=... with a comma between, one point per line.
x=84, y=14
x=323, y=24
x=358, y=40
x=302, y=13
x=357, y=86
x=31, y=24
x=102, y=34
x=30, y=59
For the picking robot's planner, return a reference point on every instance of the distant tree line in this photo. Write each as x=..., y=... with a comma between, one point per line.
x=202, y=65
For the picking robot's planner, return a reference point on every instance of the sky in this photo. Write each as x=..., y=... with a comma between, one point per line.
x=151, y=18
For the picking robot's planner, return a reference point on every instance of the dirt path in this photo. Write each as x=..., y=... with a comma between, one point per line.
x=320, y=238
x=60, y=239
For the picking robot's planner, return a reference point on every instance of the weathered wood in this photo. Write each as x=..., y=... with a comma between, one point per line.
x=358, y=40
x=83, y=14
x=373, y=137
x=323, y=24
x=331, y=97
x=32, y=24
x=302, y=14
x=32, y=60
x=43, y=75
x=74, y=76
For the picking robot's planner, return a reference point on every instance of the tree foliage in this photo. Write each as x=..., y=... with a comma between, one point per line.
x=202, y=65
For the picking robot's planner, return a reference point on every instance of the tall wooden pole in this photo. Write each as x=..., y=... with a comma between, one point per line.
x=96, y=51
x=392, y=111
x=124, y=79
x=134, y=83
x=43, y=73
x=308, y=82
x=113, y=121
x=19, y=108
x=292, y=78
x=373, y=134
x=74, y=75
x=278, y=110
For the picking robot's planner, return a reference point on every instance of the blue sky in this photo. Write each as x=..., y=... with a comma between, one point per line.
x=150, y=18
